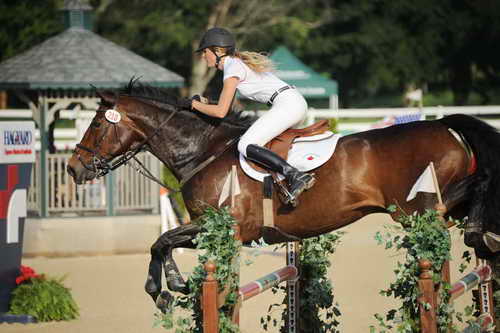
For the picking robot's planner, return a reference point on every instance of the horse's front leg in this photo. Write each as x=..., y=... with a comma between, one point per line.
x=153, y=281
x=161, y=254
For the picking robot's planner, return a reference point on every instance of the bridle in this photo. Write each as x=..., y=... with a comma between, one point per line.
x=103, y=165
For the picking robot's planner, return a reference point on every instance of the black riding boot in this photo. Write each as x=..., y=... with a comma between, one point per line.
x=297, y=181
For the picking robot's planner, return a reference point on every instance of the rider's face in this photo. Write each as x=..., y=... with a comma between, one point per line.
x=209, y=57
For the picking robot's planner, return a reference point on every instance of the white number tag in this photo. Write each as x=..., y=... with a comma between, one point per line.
x=113, y=116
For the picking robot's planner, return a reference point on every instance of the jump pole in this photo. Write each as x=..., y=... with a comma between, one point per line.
x=480, y=277
x=212, y=300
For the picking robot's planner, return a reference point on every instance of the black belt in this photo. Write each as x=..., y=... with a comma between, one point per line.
x=277, y=92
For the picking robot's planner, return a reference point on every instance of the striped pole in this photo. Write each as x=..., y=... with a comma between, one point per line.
x=258, y=286
x=470, y=281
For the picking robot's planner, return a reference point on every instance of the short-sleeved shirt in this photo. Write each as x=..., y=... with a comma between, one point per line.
x=254, y=86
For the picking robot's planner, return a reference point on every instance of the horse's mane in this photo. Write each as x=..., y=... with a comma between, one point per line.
x=137, y=89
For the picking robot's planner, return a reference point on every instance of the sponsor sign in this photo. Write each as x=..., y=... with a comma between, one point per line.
x=17, y=142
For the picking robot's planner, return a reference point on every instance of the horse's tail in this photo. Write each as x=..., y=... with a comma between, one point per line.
x=485, y=142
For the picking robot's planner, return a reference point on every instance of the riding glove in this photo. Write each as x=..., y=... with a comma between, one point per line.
x=185, y=103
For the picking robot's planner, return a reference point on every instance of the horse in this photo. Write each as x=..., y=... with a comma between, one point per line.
x=369, y=171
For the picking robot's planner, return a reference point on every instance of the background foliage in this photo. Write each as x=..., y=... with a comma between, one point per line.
x=374, y=49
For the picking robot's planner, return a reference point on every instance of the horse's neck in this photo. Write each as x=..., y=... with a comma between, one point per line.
x=182, y=150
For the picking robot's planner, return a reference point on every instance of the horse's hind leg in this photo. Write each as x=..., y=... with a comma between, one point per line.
x=161, y=254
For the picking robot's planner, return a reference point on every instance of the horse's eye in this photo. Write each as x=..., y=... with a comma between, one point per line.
x=96, y=124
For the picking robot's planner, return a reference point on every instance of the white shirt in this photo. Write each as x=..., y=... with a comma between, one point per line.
x=255, y=86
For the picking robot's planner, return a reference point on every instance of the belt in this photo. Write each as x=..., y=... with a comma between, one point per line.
x=277, y=92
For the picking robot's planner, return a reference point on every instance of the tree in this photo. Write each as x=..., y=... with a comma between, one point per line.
x=26, y=23
x=168, y=32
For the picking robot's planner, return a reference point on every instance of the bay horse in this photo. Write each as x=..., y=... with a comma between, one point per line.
x=369, y=171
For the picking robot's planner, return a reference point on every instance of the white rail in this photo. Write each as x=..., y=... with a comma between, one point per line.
x=349, y=120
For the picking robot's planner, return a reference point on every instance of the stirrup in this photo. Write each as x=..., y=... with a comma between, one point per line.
x=285, y=196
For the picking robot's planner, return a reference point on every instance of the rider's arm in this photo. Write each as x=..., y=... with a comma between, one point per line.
x=221, y=109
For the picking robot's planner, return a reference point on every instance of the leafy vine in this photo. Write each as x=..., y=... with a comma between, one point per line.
x=216, y=244
x=422, y=236
x=318, y=312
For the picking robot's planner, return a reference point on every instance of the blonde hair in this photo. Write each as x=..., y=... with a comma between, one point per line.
x=258, y=62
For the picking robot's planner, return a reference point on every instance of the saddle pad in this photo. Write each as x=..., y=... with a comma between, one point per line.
x=306, y=153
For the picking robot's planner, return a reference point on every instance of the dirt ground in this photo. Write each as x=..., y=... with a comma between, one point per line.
x=109, y=289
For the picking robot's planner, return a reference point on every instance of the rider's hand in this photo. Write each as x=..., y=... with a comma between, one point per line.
x=185, y=103
x=200, y=98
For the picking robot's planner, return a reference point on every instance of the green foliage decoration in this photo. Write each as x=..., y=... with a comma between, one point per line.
x=420, y=236
x=215, y=244
x=318, y=311
x=46, y=299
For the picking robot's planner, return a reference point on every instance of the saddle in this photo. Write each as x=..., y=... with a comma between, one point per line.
x=282, y=143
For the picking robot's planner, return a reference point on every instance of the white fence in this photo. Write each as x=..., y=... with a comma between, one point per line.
x=131, y=191
x=357, y=120
x=349, y=120
x=134, y=192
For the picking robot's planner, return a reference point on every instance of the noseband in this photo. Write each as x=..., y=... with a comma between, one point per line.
x=100, y=165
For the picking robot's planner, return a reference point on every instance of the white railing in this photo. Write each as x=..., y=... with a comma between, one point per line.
x=357, y=120
x=349, y=120
x=131, y=190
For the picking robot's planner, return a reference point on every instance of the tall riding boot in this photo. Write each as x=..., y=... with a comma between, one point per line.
x=297, y=181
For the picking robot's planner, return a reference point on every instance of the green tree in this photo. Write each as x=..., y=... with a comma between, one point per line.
x=168, y=32
x=26, y=23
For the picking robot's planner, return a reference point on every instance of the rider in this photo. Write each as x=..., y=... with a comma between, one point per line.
x=251, y=74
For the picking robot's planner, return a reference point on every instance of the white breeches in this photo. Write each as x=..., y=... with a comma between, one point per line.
x=289, y=109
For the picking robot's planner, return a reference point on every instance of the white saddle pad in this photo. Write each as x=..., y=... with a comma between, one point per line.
x=306, y=153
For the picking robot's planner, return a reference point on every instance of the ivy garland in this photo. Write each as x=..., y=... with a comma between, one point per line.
x=217, y=244
x=422, y=237
x=316, y=290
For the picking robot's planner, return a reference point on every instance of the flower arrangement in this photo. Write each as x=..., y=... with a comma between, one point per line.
x=44, y=298
x=26, y=274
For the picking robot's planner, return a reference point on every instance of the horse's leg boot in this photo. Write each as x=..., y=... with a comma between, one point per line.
x=273, y=235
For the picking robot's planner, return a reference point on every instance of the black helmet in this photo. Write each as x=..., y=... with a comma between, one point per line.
x=217, y=37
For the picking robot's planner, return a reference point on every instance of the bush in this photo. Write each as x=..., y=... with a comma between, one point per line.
x=44, y=298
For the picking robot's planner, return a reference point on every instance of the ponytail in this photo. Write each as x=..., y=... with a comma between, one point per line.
x=258, y=62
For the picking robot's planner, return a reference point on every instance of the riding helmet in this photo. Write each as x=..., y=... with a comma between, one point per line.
x=219, y=37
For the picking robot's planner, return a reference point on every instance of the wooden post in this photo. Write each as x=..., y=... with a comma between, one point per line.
x=441, y=210
x=209, y=301
x=428, y=320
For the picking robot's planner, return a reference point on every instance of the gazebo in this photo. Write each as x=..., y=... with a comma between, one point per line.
x=308, y=82
x=57, y=74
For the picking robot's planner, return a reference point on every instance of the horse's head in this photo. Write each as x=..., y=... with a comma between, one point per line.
x=111, y=133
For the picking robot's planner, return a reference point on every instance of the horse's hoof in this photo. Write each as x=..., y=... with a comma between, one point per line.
x=164, y=301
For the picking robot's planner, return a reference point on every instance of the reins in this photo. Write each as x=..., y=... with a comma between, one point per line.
x=102, y=166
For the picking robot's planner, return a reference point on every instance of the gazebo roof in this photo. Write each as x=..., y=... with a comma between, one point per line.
x=76, y=58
